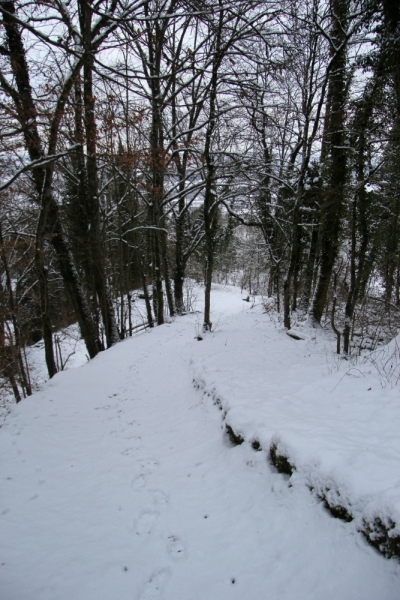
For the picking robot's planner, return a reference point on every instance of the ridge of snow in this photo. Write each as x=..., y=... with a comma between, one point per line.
x=339, y=430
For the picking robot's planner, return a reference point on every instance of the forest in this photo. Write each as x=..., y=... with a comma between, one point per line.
x=148, y=143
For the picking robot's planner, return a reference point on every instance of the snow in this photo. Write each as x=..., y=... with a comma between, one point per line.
x=335, y=422
x=118, y=481
x=69, y=350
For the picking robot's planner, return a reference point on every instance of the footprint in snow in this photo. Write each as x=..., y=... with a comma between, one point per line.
x=149, y=463
x=128, y=451
x=139, y=482
x=155, y=585
x=146, y=521
x=159, y=497
x=175, y=547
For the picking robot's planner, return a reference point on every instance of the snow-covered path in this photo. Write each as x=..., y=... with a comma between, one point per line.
x=117, y=482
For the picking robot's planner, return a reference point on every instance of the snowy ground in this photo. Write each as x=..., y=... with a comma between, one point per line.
x=336, y=421
x=69, y=352
x=117, y=480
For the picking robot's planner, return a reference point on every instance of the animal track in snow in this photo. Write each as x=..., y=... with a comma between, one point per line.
x=175, y=547
x=128, y=451
x=146, y=521
x=159, y=497
x=155, y=585
x=149, y=463
x=139, y=482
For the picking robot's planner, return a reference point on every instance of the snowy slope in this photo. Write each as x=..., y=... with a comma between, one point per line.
x=333, y=421
x=69, y=350
x=118, y=482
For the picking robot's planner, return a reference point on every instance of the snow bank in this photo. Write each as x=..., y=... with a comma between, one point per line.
x=323, y=420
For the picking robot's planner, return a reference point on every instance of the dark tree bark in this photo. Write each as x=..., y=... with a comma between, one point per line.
x=185, y=240
x=155, y=41
x=45, y=307
x=293, y=265
x=337, y=159
x=98, y=274
x=309, y=271
x=391, y=10
x=167, y=277
x=391, y=52
x=361, y=261
x=146, y=293
x=333, y=312
x=210, y=205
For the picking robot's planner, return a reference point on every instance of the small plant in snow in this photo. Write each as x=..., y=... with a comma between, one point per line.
x=190, y=290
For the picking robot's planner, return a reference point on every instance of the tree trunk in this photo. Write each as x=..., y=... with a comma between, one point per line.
x=167, y=277
x=92, y=193
x=210, y=200
x=361, y=263
x=42, y=276
x=309, y=272
x=294, y=260
x=178, y=288
x=146, y=293
x=332, y=209
x=157, y=165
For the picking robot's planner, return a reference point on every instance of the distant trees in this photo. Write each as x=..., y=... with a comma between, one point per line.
x=139, y=135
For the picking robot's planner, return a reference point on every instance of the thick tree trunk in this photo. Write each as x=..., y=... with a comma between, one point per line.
x=92, y=193
x=74, y=288
x=361, y=262
x=179, y=280
x=158, y=292
x=157, y=192
x=207, y=326
x=167, y=278
x=180, y=262
x=210, y=201
x=42, y=275
x=332, y=209
x=146, y=293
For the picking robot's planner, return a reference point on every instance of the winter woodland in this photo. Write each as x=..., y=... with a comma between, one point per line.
x=186, y=163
